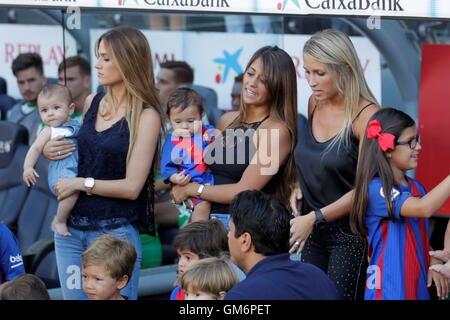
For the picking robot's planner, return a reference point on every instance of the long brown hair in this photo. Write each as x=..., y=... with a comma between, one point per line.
x=281, y=83
x=130, y=53
x=373, y=163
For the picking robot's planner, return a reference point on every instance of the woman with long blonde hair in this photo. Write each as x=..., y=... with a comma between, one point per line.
x=254, y=150
x=326, y=157
x=118, y=150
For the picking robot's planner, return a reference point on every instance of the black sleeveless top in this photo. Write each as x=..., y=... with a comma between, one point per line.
x=325, y=174
x=102, y=155
x=229, y=155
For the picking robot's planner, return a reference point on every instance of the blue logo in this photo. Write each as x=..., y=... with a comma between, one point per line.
x=230, y=61
x=282, y=6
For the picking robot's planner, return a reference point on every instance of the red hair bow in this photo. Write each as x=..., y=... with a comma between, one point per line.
x=385, y=140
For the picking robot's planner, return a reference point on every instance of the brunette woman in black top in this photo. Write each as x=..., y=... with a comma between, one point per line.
x=326, y=157
x=255, y=149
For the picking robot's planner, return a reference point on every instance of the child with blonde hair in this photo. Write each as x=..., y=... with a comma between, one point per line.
x=107, y=265
x=209, y=279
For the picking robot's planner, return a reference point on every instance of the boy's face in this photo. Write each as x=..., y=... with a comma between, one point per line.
x=54, y=111
x=99, y=285
x=187, y=122
x=185, y=259
x=200, y=295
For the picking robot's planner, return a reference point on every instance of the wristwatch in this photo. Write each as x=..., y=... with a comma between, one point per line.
x=320, y=219
x=200, y=190
x=89, y=184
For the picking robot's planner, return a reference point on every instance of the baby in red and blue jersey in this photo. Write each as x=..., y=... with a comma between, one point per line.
x=183, y=152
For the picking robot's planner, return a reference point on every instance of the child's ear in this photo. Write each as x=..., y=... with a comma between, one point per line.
x=71, y=108
x=122, y=282
x=389, y=154
x=222, y=295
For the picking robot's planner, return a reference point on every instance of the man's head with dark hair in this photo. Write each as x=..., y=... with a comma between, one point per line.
x=25, y=287
x=259, y=227
x=77, y=77
x=76, y=61
x=29, y=72
x=236, y=92
x=204, y=238
x=199, y=240
x=183, y=72
x=173, y=74
x=27, y=60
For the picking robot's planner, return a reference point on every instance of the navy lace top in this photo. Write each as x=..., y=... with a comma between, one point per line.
x=102, y=155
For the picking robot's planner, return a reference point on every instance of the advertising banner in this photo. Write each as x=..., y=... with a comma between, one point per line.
x=382, y=8
x=16, y=39
x=434, y=115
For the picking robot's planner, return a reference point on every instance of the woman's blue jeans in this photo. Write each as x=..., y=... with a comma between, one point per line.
x=68, y=258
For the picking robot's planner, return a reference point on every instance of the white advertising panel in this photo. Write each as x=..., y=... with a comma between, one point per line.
x=16, y=39
x=387, y=8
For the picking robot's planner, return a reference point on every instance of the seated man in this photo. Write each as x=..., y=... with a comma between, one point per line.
x=259, y=245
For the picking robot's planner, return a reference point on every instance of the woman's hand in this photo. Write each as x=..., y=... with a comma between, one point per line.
x=181, y=193
x=441, y=255
x=301, y=228
x=67, y=186
x=441, y=282
x=57, y=149
x=295, y=199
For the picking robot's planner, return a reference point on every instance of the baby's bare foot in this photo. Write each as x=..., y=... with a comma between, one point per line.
x=61, y=228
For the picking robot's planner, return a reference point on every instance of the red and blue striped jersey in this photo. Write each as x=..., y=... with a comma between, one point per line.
x=398, y=249
x=188, y=154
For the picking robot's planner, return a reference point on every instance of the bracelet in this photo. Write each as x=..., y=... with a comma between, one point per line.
x=200, y=190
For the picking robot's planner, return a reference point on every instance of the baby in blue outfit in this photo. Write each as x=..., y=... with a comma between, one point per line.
x=55, y=107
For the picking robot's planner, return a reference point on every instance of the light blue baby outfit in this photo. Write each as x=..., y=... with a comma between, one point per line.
x=67, y=167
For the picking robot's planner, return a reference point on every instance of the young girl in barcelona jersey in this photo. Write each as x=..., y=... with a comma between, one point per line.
x=391, y=209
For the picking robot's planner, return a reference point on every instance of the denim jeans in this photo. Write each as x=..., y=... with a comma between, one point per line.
x=68, y=258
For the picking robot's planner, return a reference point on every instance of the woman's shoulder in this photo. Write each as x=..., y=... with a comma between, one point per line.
x=272, y=123
x=226, y=119
x=366, y=109
x=150, y=116
x=88, y=102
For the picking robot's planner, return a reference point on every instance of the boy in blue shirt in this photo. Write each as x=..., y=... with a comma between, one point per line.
x=11, y=263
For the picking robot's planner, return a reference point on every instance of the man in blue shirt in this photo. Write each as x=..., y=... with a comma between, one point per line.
x=11, y=264
x=259, y=245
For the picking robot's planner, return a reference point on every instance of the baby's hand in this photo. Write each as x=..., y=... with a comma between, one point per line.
x=181, y=133
x=180, y=178
x=29, y=176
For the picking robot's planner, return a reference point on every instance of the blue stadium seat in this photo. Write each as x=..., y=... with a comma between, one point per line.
x=13, y=191
x=34, y=233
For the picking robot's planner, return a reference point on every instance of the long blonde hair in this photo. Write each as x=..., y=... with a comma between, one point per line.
x=281, y=83
x=130, y=53
x=335, y=49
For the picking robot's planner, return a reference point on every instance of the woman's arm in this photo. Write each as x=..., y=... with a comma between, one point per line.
x=262, y=168
x=138, y=168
